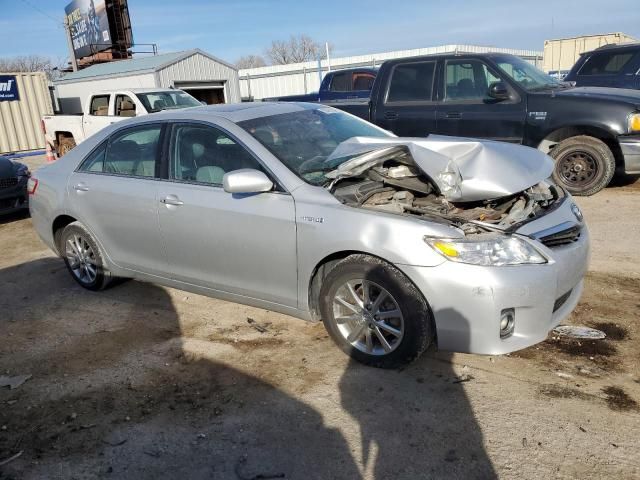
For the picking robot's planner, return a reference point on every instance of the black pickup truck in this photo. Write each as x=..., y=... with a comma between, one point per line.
x=590, y=132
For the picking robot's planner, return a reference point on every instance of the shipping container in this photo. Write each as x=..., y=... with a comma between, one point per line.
x=24, y=99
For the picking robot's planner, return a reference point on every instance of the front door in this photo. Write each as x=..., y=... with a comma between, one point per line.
x=98, y=115
x=239, y=244
x=466, y=110
x=408, y=108
x=114, y=193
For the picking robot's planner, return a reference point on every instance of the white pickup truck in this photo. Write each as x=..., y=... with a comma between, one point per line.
x=63, y=132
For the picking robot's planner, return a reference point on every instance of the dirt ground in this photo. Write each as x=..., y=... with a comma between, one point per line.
x=142, y=381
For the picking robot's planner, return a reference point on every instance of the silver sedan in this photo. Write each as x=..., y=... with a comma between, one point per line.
x=395, y=244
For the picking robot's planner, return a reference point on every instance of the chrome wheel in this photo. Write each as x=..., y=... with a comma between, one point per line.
x=81, y=258
x=368, y=317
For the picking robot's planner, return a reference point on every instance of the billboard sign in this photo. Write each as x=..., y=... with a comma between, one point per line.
x=89, y=26
x=8, y=88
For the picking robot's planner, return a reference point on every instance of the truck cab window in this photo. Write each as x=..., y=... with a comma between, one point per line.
x=411, y=82
x=99, y=106
x=363, y=81
x=125, y=106
x=341, y=82
x=606, y=63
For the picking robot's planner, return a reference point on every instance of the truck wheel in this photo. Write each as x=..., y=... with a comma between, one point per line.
x=65, y=145
x=374, y=313
x=584, y=165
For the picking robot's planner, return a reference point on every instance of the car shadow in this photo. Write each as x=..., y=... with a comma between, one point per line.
x=114, y=395
x=14, y=216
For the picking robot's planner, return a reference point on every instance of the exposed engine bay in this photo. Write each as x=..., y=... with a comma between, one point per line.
x=395, y=184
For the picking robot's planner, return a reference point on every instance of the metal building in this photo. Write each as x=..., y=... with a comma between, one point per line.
x=24, y=99
x=561, y=54
x=298, y=78
x=204, y=76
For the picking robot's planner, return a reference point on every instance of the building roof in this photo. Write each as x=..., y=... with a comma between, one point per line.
x=148, y=64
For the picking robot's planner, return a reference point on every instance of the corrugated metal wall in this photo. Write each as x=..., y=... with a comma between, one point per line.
x=298, y=78
x=20, y=119
x=199, y=68
x=561, y=54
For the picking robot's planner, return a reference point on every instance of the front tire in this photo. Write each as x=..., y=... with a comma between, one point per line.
x=374, y=313
x=584, y=165
x=83, y=257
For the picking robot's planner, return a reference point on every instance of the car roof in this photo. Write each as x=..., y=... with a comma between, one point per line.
x=614, y=47
x=238, y=112
x=438, y=56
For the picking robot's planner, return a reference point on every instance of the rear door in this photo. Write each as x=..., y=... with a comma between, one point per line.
x=239, y=244
x=97, y=117
x=466, y=110
x=407, y=105
x=114, y=193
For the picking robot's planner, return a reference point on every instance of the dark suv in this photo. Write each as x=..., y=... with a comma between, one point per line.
x=609, y=66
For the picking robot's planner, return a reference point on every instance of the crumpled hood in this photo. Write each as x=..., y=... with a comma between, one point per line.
x=463, y=169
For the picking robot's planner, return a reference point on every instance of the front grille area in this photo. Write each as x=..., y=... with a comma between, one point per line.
x=563, y=237
x=8, y=182
x=561, y=300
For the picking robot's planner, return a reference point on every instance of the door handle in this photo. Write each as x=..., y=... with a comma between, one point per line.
x=453, y=115
x=390, y=115
x=172, y=200
x=81, y=187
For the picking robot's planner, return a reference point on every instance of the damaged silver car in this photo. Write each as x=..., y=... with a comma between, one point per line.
x=395, y=244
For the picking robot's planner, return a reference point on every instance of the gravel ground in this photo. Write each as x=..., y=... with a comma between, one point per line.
x=142, y=381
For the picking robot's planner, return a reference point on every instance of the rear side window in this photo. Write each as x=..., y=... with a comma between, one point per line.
x=363, y=81
x=411, y=82
x=99, y=105
x=95, y=161
x=132, y=152
x=606, y=63
x=124, y=106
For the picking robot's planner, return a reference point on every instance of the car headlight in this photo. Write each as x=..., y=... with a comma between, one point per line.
x=634, y=123
x=490, y=250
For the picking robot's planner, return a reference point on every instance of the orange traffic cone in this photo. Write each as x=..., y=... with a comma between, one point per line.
x=50, y=155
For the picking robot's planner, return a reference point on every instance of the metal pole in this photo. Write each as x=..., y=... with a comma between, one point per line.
x=304, y=72
x=326, y=47
x=72, y=54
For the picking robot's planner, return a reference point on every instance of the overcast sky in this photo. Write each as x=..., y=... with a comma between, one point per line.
x=232, y=28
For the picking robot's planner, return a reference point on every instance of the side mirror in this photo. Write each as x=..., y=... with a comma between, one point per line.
x=499, y=91
x=246, y=180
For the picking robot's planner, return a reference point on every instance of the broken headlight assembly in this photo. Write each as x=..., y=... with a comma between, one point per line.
x=487, y=250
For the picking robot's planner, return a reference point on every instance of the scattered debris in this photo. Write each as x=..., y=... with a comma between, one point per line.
x=115, y=444
x=524, y=442
x=261, y=476
x=564, y=375
x=464, y=378
x=11, y=458
x=582, y=429
x=261, y=328
x=13, y=382
x=576, y=331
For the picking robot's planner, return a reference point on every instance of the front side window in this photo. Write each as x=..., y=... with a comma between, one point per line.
x=203, y=154
x=341, y=82
x=133, y=152
x=99, y=106
x=467, y=80
x=125, y=106
x=411, y=82
x=606, y=63
x=304, y=140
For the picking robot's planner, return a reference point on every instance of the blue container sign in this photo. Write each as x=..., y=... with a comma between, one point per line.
x=8, y=88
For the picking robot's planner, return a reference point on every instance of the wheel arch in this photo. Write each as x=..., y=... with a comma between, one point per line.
x=554, y=137
x=60, y=222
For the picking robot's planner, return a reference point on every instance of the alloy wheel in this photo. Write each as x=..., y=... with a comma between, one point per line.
x=81, y=258
x=368, y=317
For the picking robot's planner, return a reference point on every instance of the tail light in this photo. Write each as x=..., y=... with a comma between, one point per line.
x=32, y=185
x=43, y=126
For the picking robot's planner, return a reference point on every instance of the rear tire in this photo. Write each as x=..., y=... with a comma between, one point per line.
x=83, y=257
x=387, y=327
x=584, y=165
x=65, y=145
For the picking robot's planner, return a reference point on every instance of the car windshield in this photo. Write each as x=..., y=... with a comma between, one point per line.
x=529, y=77
x=304, y=140
x=156, y=101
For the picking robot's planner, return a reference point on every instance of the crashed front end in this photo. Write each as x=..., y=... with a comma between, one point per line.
x=516, y=268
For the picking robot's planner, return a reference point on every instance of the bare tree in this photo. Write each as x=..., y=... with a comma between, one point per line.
x=299, y=48
x=250, y=61
x=33, y=63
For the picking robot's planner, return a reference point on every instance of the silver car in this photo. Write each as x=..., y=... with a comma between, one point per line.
x=395, y=243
